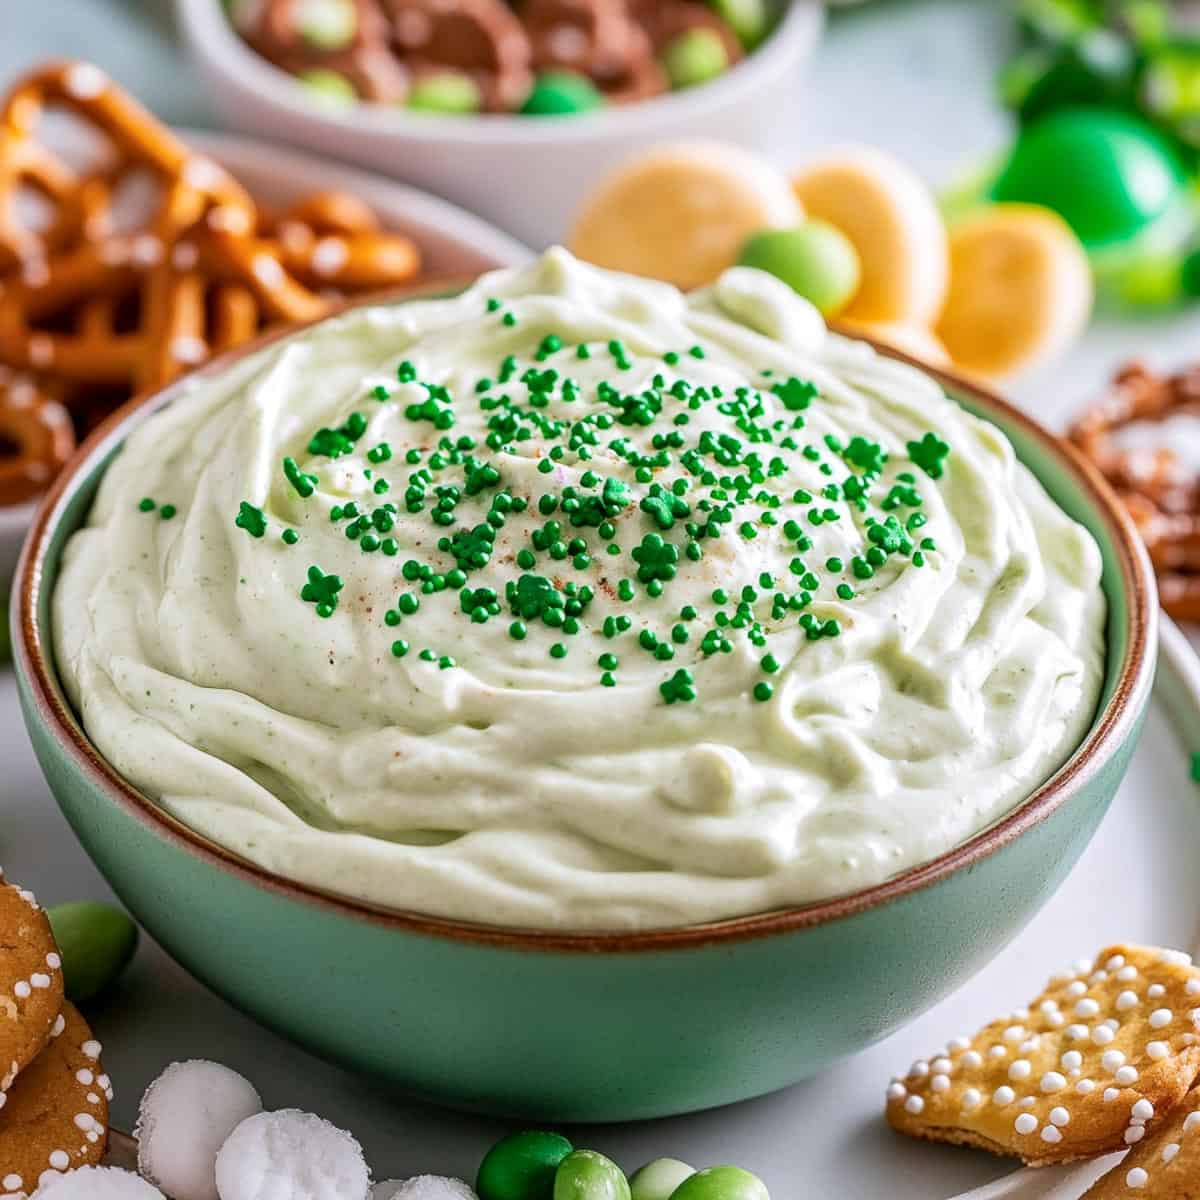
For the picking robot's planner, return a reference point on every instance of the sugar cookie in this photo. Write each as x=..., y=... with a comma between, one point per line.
x=31, y=982
x=681, y=212
x=1020, y=289
x=55, y=1118
x=1162, y=1166
x=892, y=219
x=1090, y=1067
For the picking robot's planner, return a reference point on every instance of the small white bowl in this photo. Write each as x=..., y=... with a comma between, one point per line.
x=527, y=174
x=453, y=243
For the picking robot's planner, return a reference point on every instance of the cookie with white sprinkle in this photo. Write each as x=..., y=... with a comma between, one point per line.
x=55, y=1118
x=1091, y=1066
x=1165, y=1165
x=31, y=981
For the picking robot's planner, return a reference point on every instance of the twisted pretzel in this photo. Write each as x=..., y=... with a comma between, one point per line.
x=36, y=439
x=1160, y=494
x=97, y=314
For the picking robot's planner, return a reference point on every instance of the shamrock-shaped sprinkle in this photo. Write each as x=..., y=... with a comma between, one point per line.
x=322, y=590
x=656, y=558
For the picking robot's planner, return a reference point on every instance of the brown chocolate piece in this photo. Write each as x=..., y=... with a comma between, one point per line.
x=599, y=39
x=480, y=38
x=274, y=29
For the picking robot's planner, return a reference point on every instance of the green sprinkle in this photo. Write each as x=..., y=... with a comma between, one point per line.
x=290, y=536
x=769, y=664
x=929, y=454
x=322, y=590
x=509, y=319
x=517, y=631
x=763, y=691
x=408, y=603
x=558, y=650
x=835, y=565
x=167, y=511
x=399, y=648
x=146, y=505
x=1196, y=767
x=251, y=519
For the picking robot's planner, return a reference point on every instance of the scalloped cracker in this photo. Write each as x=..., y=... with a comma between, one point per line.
x=1096, y=1061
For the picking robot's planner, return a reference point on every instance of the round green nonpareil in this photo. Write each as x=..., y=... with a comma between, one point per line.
x=561, y=93
x=522, y=1166
x=446, y=92
x=658, y=1180
x=328, y=87
x=588, y=1175
x=815, y=260
x=695, y=57
x=95, y=942
x=722, y=1183
x=1109, y=175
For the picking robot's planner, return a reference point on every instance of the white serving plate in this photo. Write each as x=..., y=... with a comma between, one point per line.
x=526, y=174
x=454, y=242
x=824, y=1138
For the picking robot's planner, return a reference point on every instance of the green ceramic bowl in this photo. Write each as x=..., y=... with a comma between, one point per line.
x=586, y=1027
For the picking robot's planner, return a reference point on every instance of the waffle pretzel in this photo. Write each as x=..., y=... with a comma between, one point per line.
x=1161, y=495
x=38, y=435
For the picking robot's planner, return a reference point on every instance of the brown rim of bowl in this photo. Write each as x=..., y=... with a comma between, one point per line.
x=1108, y=730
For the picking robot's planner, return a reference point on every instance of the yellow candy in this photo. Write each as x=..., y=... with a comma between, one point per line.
x=913, y=340
x=1020, y=289
x=681, y=212
x=893, y=221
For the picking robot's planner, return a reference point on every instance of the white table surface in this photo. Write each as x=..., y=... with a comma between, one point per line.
x=912, y=75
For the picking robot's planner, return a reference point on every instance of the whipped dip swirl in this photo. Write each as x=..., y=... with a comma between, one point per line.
x=573, y=602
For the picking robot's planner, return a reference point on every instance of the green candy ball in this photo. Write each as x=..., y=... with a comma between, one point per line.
x=446, y=92
x=816, y=260
x=1189, y=275
x=722, y=1183
x=326, y=24
x=561, y=93
x=588, y=1175
x=749, y=19
x=95, y=943
x=522, y=1166
x=1110, y=176
x=328, y=87
x=658, y=1180
x=695, y=57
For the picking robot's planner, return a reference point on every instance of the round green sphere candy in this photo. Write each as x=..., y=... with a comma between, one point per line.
x=816, y=260
x=1189, y=278
x=695, y=57
x=658, y=1180
x=446, y=92
x=1109, y=175
x=722, y=1183
x=326, y=24
x=561, y=93
x=95, y=943
x=587, y=1175
x=749, y=19
x=522, y=1166
x=328, y=87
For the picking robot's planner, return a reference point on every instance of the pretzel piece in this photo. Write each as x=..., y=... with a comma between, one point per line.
x=1161, y=495
x=36, y=439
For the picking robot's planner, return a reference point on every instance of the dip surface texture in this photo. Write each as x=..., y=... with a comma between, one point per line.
x=573, y=602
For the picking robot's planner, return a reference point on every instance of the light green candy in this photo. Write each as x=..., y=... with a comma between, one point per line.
x=446, y=92
x=328, y=87
x=695, y=57
x=522, y=1166
x=722, y=1183
x=816, y=260
x=749, y=19
x=658, y=1180
x=95, y=943
x=326, y=24
x=588, y=1175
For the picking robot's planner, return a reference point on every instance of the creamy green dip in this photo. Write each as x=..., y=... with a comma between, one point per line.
x=574, y=602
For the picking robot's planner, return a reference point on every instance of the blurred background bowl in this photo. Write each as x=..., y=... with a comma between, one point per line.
x=527, y=174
